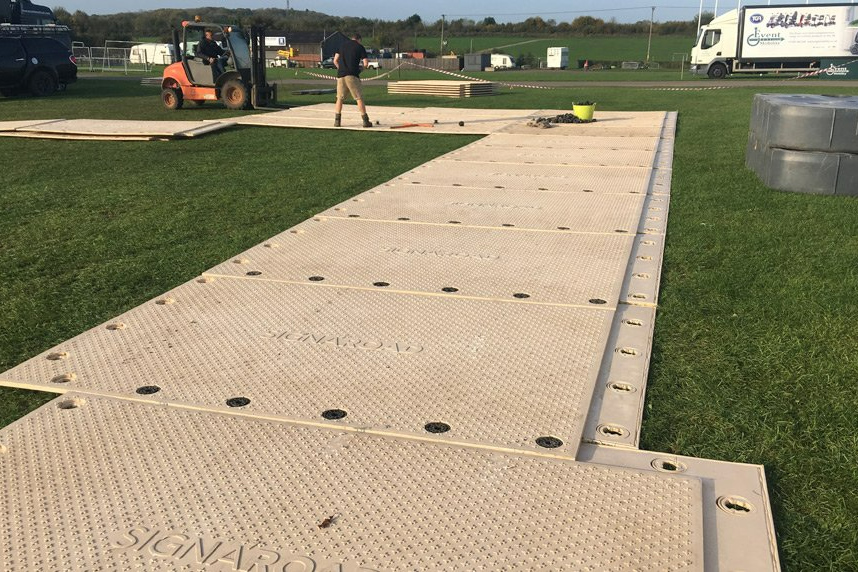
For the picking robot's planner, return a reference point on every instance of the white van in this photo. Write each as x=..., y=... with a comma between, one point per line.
x=161, y=54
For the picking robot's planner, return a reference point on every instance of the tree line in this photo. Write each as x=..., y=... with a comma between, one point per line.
x=94, y=29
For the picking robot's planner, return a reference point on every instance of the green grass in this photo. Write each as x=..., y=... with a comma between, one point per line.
x=599, y=48
x=754, y=357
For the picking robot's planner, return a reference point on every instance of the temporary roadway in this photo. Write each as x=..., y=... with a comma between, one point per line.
x=445, y=372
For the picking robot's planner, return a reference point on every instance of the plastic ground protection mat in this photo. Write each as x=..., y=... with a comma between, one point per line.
x=738, y=529
x=123, y=128
x=596, y=157
x=493, y=264
x=93, y=483
x=496, y=208
x=616, y=407
x=508, y=374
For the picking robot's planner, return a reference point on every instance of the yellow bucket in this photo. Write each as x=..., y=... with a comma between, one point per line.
x=584, y=112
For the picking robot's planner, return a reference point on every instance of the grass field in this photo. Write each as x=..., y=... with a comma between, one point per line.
x=755, y=350
x=598, y=48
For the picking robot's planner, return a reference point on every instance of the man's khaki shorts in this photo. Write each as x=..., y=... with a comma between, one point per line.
x=350, y=84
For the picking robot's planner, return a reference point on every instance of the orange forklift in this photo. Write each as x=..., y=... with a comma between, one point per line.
x=238, y=80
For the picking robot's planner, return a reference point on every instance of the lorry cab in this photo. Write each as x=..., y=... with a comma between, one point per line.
x=715, y=49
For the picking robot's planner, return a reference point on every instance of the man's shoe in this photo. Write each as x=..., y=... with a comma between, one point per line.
x=366, y=121
x=337, y=118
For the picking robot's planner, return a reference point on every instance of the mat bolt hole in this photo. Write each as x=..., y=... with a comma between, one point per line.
x=735, y=505
x=334, y=414
x=562, y=228
x=115, y=326
x=669, y=465
x=381, y=284
x=613, y=430
x=316, y=278
x=56, y=356
x=507, y=224
x=454, y=222
x=71, y=403
x=549, y=442
x=253, y=273
x=148, y=389
x=437, y=427
x=237, y=401
x=403, y=218
x=521, y=295
x=597, y=301
x=354, y=216
x=64, y=378
x=622, y=387
x=449, y=289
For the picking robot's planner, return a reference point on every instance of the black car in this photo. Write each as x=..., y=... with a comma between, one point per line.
x=35, y=64
x=327, y=63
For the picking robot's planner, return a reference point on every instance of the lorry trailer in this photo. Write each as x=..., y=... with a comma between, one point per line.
x=785, y=38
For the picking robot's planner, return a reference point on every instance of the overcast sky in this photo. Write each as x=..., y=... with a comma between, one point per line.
x=430, y=11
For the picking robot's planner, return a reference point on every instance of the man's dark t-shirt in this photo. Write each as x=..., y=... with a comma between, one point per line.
x=209, y=48
x=351, y=54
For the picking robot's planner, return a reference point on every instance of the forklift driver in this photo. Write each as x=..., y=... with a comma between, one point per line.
x=212, y=53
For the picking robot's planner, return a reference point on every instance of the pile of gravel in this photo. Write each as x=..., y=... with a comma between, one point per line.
x=545, y=122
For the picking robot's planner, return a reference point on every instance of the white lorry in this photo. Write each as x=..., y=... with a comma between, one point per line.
x=502, y=61
x=787, y=38
x=161, y=54
x=558, y=58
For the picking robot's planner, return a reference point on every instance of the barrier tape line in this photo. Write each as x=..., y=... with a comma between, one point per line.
x=478, y=80
x=333, y=78
x=445, y=72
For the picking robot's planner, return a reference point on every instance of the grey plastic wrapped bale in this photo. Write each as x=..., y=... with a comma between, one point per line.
x=805, y=143
x=807, y=122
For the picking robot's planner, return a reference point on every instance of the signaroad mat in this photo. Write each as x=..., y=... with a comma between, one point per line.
x=444, y=372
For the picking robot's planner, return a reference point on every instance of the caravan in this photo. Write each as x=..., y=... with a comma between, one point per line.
x=160, y=54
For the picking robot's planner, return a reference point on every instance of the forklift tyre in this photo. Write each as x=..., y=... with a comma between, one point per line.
x=172, y=98
x=234, y=94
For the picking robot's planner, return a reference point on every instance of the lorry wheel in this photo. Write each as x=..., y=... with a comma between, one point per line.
x=172, y=98
x=234, y=94
x=717, y=71
x=42, y=83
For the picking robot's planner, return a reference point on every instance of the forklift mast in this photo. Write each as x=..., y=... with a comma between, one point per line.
x=261, y=93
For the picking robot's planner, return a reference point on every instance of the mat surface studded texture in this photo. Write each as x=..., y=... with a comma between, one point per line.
x=499, y=264
x=218, y=492
x=540, y=210
x=532, y=177
x=600, y=157
x=500, y=373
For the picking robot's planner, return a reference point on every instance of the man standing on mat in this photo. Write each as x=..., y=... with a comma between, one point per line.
x=348, y=59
